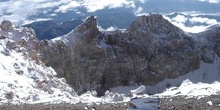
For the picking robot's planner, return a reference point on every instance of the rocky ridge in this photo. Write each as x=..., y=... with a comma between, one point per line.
x=24, y=78
x=150, y=50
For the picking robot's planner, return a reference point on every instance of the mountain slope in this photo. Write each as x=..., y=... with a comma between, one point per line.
x=149, y=51
x=24, y=78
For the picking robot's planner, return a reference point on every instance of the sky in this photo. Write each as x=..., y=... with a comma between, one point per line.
x=193, y=15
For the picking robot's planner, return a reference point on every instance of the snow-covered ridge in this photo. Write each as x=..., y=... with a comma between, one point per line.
x=24, y=79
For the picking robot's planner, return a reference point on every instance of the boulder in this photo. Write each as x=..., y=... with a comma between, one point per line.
x=12, y=44
x=2, y=36
x=6, y=25
x=9, y=95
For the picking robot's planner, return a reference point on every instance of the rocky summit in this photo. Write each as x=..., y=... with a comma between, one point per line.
x=149, y=51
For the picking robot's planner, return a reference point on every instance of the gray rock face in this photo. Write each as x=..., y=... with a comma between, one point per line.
x=22, y=40
x=151, y=50
x=6, y=25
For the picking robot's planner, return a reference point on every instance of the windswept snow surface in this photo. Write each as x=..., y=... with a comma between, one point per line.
x=27, y=82
x=188, y=88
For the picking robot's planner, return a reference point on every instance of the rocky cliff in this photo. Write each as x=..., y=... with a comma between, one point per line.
x=150, y=50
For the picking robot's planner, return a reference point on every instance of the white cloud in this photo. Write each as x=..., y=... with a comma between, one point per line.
x=94, y=5
x=203, y=20
x=138, y=11
x=19, y=10
x=71, y=5
x=143, y=1
x=191, y=29
x=180, y=21
x=112, y=28
x=210, y=1
x=180, y=18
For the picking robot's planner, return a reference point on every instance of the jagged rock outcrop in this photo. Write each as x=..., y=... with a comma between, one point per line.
x=6, y=25
x=24, y=78
x=22, y=40
x=150, y=50
x=209, y=42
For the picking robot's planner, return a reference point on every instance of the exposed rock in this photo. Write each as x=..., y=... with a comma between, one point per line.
x=6, y=25
x=12, y=44
x=9, y=95
x=131, y=105
x=6, y=52
x=151, y=50
x=20, y=72
x=22, y=42
x=34, y=55
x=2, y=37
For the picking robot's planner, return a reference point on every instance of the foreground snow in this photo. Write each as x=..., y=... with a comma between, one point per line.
x=22, y=80
x=189, y=88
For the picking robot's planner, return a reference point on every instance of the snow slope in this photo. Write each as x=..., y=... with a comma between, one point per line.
x=22, y=80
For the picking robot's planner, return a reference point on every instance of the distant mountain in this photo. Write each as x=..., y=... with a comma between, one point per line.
x=51, y=29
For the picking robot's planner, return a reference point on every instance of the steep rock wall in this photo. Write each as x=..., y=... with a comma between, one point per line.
x=151, y=50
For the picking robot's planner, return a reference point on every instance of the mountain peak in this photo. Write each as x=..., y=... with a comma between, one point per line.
x=91, y=20
x=88, y=29
x=152, y=23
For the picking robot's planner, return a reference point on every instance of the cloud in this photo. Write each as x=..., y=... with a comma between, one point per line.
x=143, y=1
x=112, y=28
x=190, y=29
x=210, y=1
x=94, y=5
x=181, y=21
x=203, y=20
x=20, y=10
x=70, y=6
x=180, y=18
x=138, y=11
